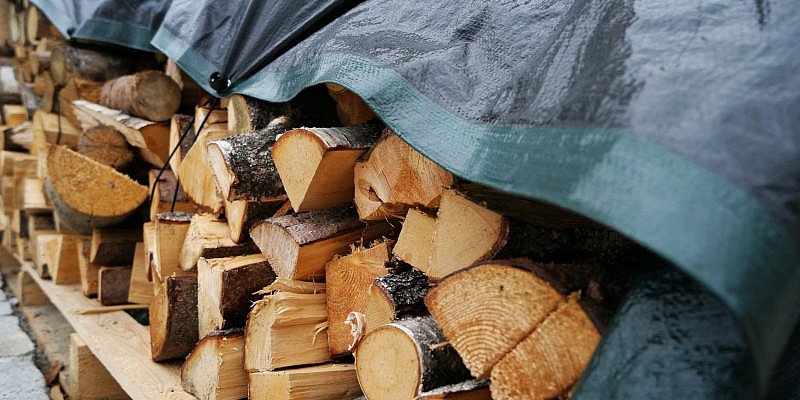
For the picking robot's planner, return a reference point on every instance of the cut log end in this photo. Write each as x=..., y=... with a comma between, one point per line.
x=106, y=145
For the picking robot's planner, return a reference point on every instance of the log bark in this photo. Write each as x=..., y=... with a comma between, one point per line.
x=467, y=390
x=394, y=177
x=395, y=295
x=161, y=201
x=348, y=280
x=114, y=246
x=96, y=64
x=213, y=371
x=173, y=318
x=328, y=381
x=208, y=237
x=227, y=289
x=403, y=359
x=113, y=285
x=179, y=123
x=109, y=199
x=151, y=95
x=243, y=168
x=548, y=363
x=298, y=245
x=316, y=164
x=350, y=108
x=276, y=339
x=508, y=300
x=106, y=145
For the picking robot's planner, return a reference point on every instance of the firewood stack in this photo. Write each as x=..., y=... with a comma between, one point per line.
x=287, y=251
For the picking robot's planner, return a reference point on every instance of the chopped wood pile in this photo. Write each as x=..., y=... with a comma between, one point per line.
x=284, y=254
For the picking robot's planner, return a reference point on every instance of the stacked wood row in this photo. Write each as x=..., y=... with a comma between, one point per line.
x=297, y=250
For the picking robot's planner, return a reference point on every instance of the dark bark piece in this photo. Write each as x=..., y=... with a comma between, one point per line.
x=243, y=166
x=151, y=95
x=414, y=353
x=401, y=293
x=227, y=290
x=242, y=214
x=468, y=390
x=106, y=145
x=97, y=64
x=114, y=247
x=173, y=318
x=113, y=285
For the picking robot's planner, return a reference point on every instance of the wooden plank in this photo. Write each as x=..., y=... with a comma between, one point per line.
x=118, y=341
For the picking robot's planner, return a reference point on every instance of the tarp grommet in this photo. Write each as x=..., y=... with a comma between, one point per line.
x=219, y=82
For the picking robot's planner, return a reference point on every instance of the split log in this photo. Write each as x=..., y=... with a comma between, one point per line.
x=36, y=26
x=243, y=168
x=191, y=93
x=14, y=114
x=88, y=194
x=348, y=280
x=88, y=271
x=106, y=145
x=227, y=289
x=141, y=291
x=30, y=197
x=508, y=300
x=398, y=294
x=169, y=237
x=39, y=223
x=466, y=233
x=403, y=359
x=114, y=246
x=350, y=108
x=40, y=245
x=18, y=138
x=74, y=89
x=329, y=381
x=394, y=177
x=195, y=174
x=9, y=159
x=415, y=242
x=286, y=330
x=161, y=201
x=151, y=95
x=213, y=371
x=87, y=375
x=316, y=164
x=179, y=124
x=151, y=139
x=247, y=114
x=467, y=390
x=298, y=245
x=173, y=318
x=208, y=237
x=46, y=128
x=96, y=64
x=242, y=214
x=548, y=363
x=113, y=285
x=63, y=265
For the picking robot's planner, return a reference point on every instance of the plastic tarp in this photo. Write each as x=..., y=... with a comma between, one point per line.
x=675, y=123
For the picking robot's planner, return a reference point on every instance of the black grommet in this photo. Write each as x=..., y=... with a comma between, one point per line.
x=219, y=82
x=70, y=31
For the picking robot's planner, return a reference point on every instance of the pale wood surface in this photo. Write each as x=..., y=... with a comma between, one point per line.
x=118, y=341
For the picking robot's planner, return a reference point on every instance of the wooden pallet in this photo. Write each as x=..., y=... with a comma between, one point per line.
x=117, y=340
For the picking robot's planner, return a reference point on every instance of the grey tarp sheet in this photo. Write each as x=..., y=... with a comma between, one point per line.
x=676, y=123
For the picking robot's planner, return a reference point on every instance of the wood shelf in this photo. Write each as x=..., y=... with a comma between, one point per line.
x=118, y=341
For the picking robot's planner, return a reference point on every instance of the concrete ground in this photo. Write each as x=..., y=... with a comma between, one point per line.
x=19, y=377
